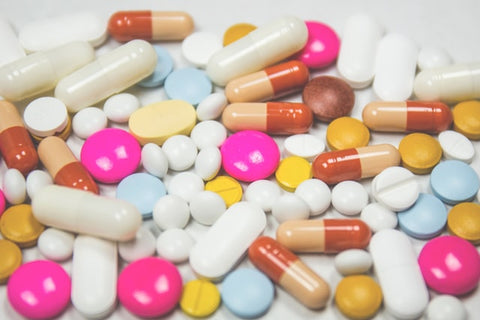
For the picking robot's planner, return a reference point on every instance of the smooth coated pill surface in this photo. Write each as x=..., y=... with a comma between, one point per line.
x=88, y=121
x=208, y=133
x=163, y=68
x=346, y=133
x=11, y=259
x=185, y=185
x=142, y=246
x=289, y=206
x=206, y=207
x=171, y=211
x=445, y=307
x=200, y=298
x=36, y=180
x=212, y=106
x=14, y=186
x=174, y=245
x=56, y=244
x=349, y=197
x=13, y=49
x=119, y=107
x=316, y=194
x=420, y=152
x=198, y=47
x=237, y=31
x=430, y=57
x=188, y=84
x=466, y=119
x=353, y=261
x=20, y=226
x=154, y=160
x=208, y=163
x=45, y=116
x=265, y=193
x=464, y=221
x=378, y=217
x=227, y=187
x=358, y=297
x=292, y=171
x=303, y=145
x=456, y=146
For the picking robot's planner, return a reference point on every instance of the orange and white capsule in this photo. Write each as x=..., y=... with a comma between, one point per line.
x=124, y=26
x=270, y=83
x=403, y=116
x=288, y=271
x=269, y=117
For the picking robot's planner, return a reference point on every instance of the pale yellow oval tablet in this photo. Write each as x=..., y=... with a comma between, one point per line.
x=159, y=121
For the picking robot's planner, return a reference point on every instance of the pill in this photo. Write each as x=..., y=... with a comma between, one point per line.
x=142, y=246
x=271, y=83
x=227, y=187
x=45, y=34
x=88, y=121
x=403, y=116
x=444, y=307
x=271, y=117
x=154, y=160
x=288, y=271
x=45, y=116
x=395, y=66
x=145, y=275
x=11, y=259
x=211, y=107
x=289, y=206
x=430, y=57
x=20, y=226
x=110, y=73
x=405, y=294
x=349, y=197
x=325, y=235
x=328, y=97
x=378, y=217
x=41, y=71
x=94, y=276
x=356, y=57
x=162, y=70
x=84, y=212
x=354, y=164
x=186, y=185
x=208, y=133
x=39, y=289
x=292, y=171
x=63, y=166
x=237, y=228
x=2, y=203
x=12, y=48
x=16, y=147
x=464, y=221
x=453, y=83
x=206, y=207
x=316, y=194
x=119, y=107
x=237, y=31
x=353, y=261
x=466, y=117
x=14, y=186
x=188, y=84
x=304, y=145
x=36, y=180
x=265, y=193
x=198, y=47
x=276, y=41
x=200, y=298
x=150, y=25
x=171, y=211
x=420, y=152
x=346, y=133
x=208, y=163
x=456, y=146
x=56, y=244
x=450, y=265
x=174, y=245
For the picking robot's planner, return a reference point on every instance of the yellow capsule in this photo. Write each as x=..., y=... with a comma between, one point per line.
x=11, y=259
x=346, y=132
x=227, y=187
x=420, y=152
x=237, y=31
x=464, y=221
x=358, y=297
x=466, y=119
x=200, y=298
x=20, y=226
x=292, y=171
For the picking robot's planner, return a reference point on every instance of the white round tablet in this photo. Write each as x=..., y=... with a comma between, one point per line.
x=56, y=244
x=289, y=206
x=305, y=145
x=353, y=261
x=171, y=211
x=185, y=185
x=209, y=133
x=212, y=106
x=143, y=245
x=154, y=160
x=316, y=194
x=88, y=121
x=45, y=116
x=198, y=47
x=208, y=163
x=264, y=193
x=456, y=146
x=14, y=186
x=433, y=57
x=181, y=152
x=349, y=197
x=36, y=180
x=206, y=207
x=446, y=307
x=174, y=245
x=119, y=107
x=378, y=217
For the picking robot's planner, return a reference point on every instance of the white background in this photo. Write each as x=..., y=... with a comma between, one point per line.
x=452, y=25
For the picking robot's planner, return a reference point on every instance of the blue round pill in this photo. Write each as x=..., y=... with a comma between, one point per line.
x=425, y=219
x=247, y=293
x=162, y=70
x=142, y=190
x=454, y=181
x=189, y=84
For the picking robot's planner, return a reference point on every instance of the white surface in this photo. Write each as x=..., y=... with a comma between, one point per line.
x=452, y=25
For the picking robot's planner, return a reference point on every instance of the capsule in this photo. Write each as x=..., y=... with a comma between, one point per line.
x=403, y=116
x=62, y=165
x=269, y=117
x=40, y=71
x=111, y=73
x=11, y=47
x=454, y=83
x=270, y=83
x=326, y=235
x=260, y=48
x=124, y=26
x=16, y=146
x=355, y=163
x=288, y=271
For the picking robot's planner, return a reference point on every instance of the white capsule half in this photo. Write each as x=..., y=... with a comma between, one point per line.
x=11, y=47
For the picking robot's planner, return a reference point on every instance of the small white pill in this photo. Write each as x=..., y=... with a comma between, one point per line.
x=264, y=193
x=198, y=47
x=56, y=244
x=209, y=133
x=143, y=245
x=154, y=160
x=14, y=186
x=206, y=207
x=88, y=121
x=171, y=211
x=119, y=107
x=353, y=261
x=208, y=163
x=316, y=194
x=433, y=57
x=36, y=180
x=181, y=152
x=446, y=307
x=378, y=217
x=175, y=245
x=185, y=185
x=45, y=116
x=211, y=107
x=349, y=197
x=289, y=206
x=456, y=146
x=304, y=145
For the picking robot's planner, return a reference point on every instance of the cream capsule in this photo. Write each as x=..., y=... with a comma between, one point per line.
x=11, y=47
x=269, y=117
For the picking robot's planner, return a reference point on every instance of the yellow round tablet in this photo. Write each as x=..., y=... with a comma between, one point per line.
x=346, y=133
x=292, y=171
x=466, y=119
x=159, y=121
x=420, y=152
x=11, y=259
x=200, y=298
x=237, y=31
x=227, y=187
x=464, y=221
x=20, y=226
x=358, y=297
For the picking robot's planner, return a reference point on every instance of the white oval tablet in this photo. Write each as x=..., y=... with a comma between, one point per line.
x=209, y=133
x=289, y=206
x=11, y=47
x=433, y=57
x=264, y=193
x=185, y=185
x=206, y=207
x=45, y=116
x=14, y=186
x=154, y=160
x=208, y=163
x=36, y=180
x=143, y=245
x=198, y=47
x=353, y=261
x=211, y=107
x=119, y=107
x=446, y=307
x=181, y=152
x=304, y=145
x=378, y=217
x=316, y=194
x=171, y=211
x=56, y=244
x=174, y=245
x=349, y=197
x=456, y=146
x=88, y=121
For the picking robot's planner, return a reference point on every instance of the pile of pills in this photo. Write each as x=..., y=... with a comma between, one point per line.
x=210, y=201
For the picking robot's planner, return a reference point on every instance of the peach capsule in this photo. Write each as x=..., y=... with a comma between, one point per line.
x=16, y=146
x=403, y=116
x=272, y=82
x=326, y=235
x=269, y=117
x=124, y=26
x=288, y=271
x=355, y=163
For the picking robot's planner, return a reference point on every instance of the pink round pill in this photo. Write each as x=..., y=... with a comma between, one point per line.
x=322, y=47
x=110, y=155
x=149, y=287
x=450, y=265
x=2, y=202
x=39, y=289
x=250, y=155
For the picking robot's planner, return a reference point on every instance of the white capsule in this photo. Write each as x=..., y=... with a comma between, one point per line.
x=14, y=186
x=55, y=244
x=11, y=47
x=208, y=163
x=154, y=160
x=174, y=245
